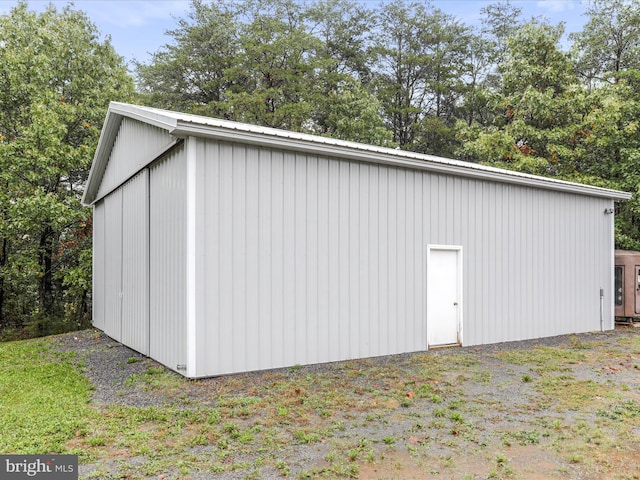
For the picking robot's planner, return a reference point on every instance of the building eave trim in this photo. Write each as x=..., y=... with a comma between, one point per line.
x=184, y=125
x=400, y=158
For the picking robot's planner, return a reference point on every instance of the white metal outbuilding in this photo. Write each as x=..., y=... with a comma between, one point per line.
x=222, y=247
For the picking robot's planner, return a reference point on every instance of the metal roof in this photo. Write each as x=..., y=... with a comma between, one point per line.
x=182, y=125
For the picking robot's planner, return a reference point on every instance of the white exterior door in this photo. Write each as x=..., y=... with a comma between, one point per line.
x=444, y=295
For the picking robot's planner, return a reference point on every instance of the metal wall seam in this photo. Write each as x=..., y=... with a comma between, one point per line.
x=98, y=277
x=612, y=287
x=191, y=259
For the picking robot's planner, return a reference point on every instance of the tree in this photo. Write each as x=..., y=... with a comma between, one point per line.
x=343, y=61
x=191, y=73
x=275, y=68
x=352, y=113
x=487, y=48
x=56, y=79
x=421, y=60
x=610, y=41
x=540, y=102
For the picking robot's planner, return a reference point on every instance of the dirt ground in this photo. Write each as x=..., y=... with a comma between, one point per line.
x=564, y=407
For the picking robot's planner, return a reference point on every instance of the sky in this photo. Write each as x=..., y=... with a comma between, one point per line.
x=138, y=27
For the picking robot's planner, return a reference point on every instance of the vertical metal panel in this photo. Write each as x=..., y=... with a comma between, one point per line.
x=113, y=265
x=167, y=260
x=135, y=263
x=294, y=270
x=99, y=266
x=135, y=145
x=534, y=264
x=191, y=251
x=121, y=264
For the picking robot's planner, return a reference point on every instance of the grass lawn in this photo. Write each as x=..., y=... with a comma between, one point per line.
x=44, y=399
x=544, y=412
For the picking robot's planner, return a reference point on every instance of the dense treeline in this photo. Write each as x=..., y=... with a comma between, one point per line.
x=56, y=79
x=511, y=92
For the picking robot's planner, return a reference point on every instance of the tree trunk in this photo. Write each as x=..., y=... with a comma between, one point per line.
x=3, y=262
x=45, y=286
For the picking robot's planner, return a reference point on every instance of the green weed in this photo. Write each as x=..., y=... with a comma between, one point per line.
x=621, y=411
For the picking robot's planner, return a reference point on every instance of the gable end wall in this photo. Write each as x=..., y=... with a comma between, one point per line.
x=136, y=145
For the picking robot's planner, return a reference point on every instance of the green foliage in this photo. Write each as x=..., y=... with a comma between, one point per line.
x=354, y=114
x=608, y=45
x=621, y=411
x=422, y=56
x=44, y=399
x=57, y=79
x=258, y=62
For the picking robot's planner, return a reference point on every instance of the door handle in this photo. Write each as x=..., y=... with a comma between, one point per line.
x=455, y=304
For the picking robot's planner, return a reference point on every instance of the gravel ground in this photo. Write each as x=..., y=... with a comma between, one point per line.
x=109, y=364
x=503, y=404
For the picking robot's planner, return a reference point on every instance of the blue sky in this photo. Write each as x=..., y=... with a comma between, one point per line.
x=137, y=27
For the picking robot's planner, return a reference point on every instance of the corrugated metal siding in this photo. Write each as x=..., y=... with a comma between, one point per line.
x=167, y=211
x=135, y=263
x=121, y=264
x=136, y=144
x=98, y=274
x=534, y=263
x=305, y=260
x=308, y=259
x=113, y=265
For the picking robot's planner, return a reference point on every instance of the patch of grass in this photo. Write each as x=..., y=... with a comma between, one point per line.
x=456, y=417
x=306, y=436
x=545, y=358
x=483, y=376
x=44, y=399
x=428, y=391
x=439, y=412
x=389, y=440
x=156, y=378
x=526, y=437
x=283, y=468
x=255, y=421
x=621, y=411
x=503, y=470
x=566, y=392
x=462, y=360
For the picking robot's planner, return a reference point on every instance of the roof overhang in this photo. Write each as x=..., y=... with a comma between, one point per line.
x=184, y=125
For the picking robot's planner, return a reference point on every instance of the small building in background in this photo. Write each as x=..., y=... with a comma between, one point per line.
x=627, y=285
x=222, y=247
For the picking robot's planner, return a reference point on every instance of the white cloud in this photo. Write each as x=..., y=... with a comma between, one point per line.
x=557, y=6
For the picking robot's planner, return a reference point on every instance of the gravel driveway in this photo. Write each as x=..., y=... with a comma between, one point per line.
x=522, y=410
